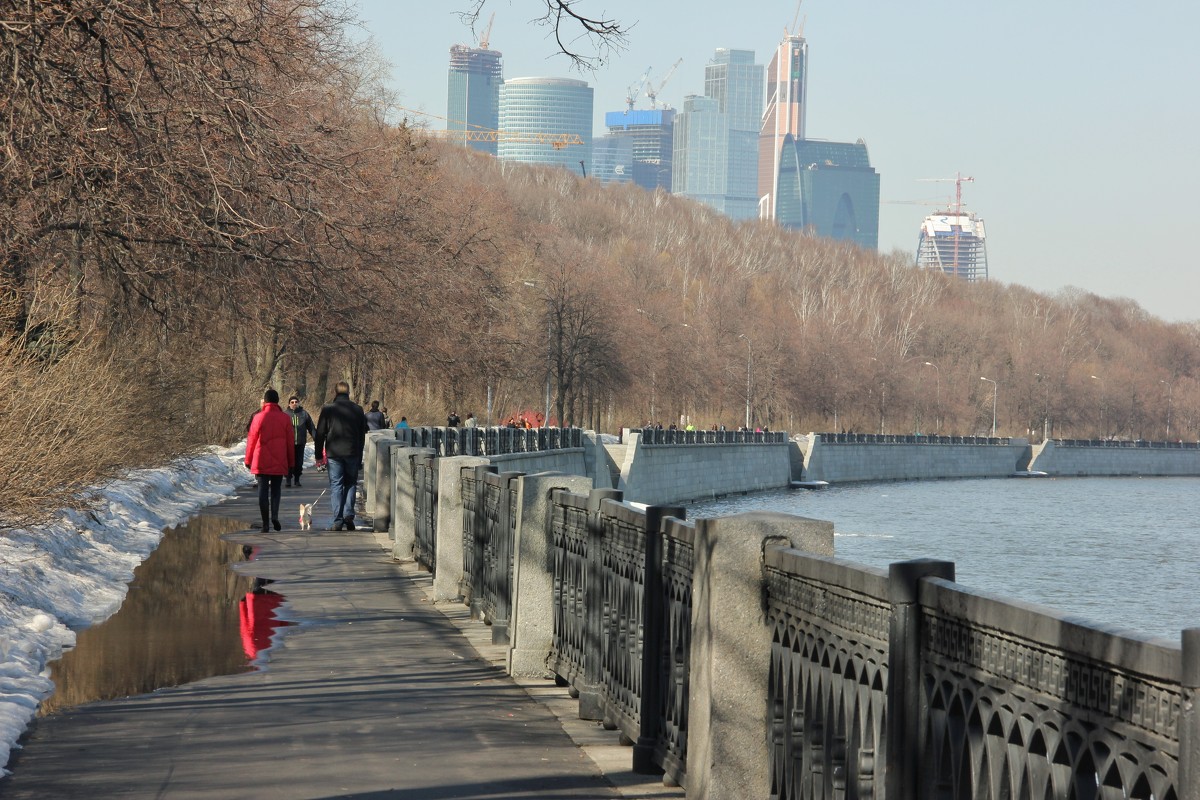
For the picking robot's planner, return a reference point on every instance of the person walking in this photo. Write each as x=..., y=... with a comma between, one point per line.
x=303, y=427
x=452, y=420
x=375, y=418
x=269, y=455
x=341, y=433
x=470, y=422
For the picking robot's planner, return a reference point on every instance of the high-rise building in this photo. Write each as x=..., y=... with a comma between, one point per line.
x=787, y=95
x=650, y=134
x=954, y=242
x=701, y=142
x=612, y=159
x=730, y=123
x=829, y=189
x=546, y=106
x=473, y=92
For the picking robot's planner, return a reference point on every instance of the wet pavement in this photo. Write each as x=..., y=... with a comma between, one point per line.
x=374, y=692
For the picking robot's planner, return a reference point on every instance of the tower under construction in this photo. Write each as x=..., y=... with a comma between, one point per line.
x=954, y=241
x=783, y=115
x=473, y=91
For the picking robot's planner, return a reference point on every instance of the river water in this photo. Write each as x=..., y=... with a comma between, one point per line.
x=1121, y=552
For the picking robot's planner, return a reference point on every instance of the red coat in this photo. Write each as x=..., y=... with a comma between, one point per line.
x=269, y=447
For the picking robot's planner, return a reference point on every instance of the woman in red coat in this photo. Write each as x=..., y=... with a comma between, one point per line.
x=270, y=455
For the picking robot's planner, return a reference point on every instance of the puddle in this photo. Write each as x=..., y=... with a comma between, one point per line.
x=187, y=616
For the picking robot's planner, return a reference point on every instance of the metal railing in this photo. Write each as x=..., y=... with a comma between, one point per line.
x=425, y=499
x=652, y=436
x=914, y=438
x=490, y=441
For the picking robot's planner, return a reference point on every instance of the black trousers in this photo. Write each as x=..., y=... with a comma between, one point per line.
x=299, y=467
x=270, y=488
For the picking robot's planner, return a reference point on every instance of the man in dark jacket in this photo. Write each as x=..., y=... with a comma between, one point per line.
x=302, y=427
x=341, y=433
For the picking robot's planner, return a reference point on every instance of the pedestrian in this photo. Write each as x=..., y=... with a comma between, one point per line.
x=269, y=455
x=341, y=432
x=303, y=427
x=470, y=422
x=402, y=424
x=375, y=417
x=452, y=420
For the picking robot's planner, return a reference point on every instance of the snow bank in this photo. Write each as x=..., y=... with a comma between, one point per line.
x=75, y=572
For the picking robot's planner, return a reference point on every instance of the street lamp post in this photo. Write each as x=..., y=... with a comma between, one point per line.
x=995, y=392
x=748, y=383
x=938, y=373
x=1095, y=378
x=1169, y=386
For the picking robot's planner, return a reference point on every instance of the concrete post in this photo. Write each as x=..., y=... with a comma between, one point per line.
x=448, y=572
x=369, y=467
x=904, y=673
x=379, y=505
x=405, y=519
x=531, y=628
x=730, y=657
x=1188, y=781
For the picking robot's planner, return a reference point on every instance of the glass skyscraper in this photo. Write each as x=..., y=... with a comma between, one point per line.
x=650, y=134
x=546, y=106
x=787, y=93
x=473, y=92
x=730, y=123
x=829, y=189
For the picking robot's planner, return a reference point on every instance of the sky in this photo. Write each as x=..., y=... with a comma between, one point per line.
x=74, y=572
x=1077, y=120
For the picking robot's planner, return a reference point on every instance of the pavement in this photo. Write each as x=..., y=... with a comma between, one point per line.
x=374, y=692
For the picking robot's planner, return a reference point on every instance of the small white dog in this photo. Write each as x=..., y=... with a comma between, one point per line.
x=306, y=512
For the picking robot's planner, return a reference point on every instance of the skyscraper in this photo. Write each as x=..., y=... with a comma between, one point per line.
x=650, y=134
x=546, y=106
x=787, y=95
x=473, y=92
x=734, y=85
x=829, y=189
x=955, y=242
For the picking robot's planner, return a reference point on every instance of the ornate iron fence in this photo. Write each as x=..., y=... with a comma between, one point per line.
x=474, y=527
x=652, y=436
x=425, y=486
x=828, y=680
x=490, y=441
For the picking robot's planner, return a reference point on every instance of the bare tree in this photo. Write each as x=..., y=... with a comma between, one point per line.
x=587, y=40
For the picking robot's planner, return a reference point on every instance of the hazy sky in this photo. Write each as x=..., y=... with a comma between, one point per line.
x=1080, y=121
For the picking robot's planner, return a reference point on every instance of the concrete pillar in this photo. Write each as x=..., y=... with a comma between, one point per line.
x=448, y=572
x=904, y=673
x=531, y=629
x=1188, y=780
x=369, y=466
x=730, y=657
x=404, y=520
x=379, y=504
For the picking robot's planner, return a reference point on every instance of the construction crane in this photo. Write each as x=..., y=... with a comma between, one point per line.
x=794, y=30
x=635, y=89
x=652, y=92
x=556, y=140
x=486, y=36
x=959, y=179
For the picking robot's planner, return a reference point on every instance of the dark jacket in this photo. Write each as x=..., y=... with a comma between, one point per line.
x=302, y=424
x=269, y=449
x=375, y=420
x=341, y=430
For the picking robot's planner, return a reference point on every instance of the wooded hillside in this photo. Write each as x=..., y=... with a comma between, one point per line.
x=197, y=202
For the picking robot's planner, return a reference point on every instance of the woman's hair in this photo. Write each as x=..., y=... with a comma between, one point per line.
x=271, y=396
x=374, y=405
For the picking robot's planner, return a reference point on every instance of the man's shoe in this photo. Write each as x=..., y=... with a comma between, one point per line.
x=349, y=524
x=288, y=483
x=297, y=482
x=278, y=527
x=266, y=528
x=337, y=526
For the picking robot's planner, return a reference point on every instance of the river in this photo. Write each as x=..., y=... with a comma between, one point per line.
x=1121, y=552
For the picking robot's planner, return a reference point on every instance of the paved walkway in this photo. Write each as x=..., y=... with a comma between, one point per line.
x=375, y=693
